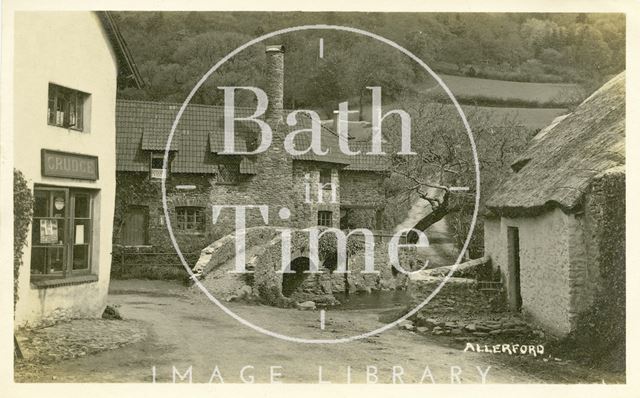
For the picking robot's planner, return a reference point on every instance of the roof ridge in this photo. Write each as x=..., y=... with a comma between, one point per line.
x=177, y=104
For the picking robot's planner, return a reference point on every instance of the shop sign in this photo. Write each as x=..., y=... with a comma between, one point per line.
x=69, y=165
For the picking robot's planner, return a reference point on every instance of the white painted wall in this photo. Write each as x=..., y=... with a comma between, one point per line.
x=546, y=247
x=72, y=50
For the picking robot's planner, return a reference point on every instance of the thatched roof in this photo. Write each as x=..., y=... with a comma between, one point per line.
x=558, y=166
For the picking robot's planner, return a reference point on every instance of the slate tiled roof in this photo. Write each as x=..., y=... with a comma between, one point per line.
x=330, y=142
x=364, y=162
x=152, y=141
x=216, y=142
x=144, y=126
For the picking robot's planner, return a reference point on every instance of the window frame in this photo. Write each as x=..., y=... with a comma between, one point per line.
x=324, y=178
x=321, y=215
x=156, y=155
x=68, y=246
x=78, y=98
x=196, y=220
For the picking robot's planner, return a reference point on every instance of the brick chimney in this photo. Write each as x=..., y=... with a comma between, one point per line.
x=275, y=82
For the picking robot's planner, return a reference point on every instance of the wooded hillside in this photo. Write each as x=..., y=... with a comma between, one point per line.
x=174, y=49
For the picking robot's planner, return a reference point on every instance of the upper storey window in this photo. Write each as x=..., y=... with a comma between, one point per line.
x=66, y=107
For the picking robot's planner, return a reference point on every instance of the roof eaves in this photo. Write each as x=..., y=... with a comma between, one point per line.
x=121, y=49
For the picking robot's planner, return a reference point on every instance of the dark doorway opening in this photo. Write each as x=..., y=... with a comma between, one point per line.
x=513, y=249
x=136, y=226
x=292, y=281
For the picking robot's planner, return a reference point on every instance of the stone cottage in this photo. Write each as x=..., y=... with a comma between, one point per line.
x=67, y=67
x=200, y=175
x=554, y=223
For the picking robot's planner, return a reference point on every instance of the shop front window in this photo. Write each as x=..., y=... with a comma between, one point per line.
x=61, y=236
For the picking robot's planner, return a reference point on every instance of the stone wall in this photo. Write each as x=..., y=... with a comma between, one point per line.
x=603, y=288
x=273, y=187
x=306, y=214
x=266, y=283
x=315, y=287
x=136, y=189
x=362, y=189
x=268, y=188
x=457, y=295
x=603, y=223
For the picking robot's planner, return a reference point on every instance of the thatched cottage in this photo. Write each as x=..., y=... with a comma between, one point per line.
x=556, y=226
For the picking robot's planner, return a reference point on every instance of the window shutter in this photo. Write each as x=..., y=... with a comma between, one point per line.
x=79, y=106
x=51, y=111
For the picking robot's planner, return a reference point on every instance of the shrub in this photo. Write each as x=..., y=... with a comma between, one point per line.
x=22, y=213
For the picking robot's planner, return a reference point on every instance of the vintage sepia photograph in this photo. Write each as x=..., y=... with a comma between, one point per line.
x=315, y=197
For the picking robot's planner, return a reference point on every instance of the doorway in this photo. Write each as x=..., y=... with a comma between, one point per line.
x=135, y=226
x=513, y=253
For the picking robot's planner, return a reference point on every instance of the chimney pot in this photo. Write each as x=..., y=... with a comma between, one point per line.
x=279, y=48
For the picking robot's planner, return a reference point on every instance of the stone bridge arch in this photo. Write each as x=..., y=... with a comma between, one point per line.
x=263, y=258
x=266, y=284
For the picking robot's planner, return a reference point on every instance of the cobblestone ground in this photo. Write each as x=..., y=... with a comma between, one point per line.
x=76, y=338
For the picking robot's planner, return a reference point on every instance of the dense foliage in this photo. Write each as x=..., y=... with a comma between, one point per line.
x=22, y=213
x=600, y=335
x=174, y=49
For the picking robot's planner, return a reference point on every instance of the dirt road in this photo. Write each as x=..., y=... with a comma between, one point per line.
x=187, y=331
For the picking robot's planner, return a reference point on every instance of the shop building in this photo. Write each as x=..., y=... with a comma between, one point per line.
x=67, y=68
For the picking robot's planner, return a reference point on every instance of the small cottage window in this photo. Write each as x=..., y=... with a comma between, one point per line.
x=157, y=160
x=66, y=107
x=325, y=218
x=228, y=173
x=325, y=177
x=190, y=219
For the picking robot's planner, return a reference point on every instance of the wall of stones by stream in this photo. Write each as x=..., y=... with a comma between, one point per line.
x=460, y=308
x=265, y=283
x=321, y=287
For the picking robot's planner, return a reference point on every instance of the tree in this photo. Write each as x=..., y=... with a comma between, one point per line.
x=461, y=51
x=444, y=159
x=591, y=47
x=378, y=65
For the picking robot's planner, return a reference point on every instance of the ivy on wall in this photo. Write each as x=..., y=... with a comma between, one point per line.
x=22, y=214
x=132, y=189
x=600, y=333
